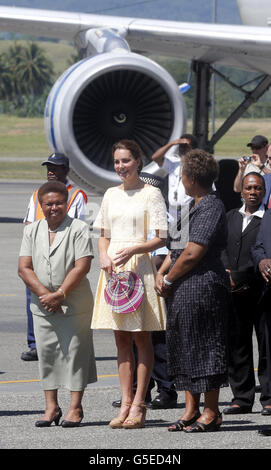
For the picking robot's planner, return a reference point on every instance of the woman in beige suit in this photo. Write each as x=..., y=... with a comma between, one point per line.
x=55, y=258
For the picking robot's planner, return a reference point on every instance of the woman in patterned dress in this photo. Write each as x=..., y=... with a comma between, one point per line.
x=127, y=214
x=200, y=301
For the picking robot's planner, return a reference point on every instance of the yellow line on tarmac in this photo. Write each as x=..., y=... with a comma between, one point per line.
x=8, y=295
x=18, y=381
x=108, y=375
x=37, y=380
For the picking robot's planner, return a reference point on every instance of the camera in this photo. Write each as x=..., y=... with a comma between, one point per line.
x=247, y=159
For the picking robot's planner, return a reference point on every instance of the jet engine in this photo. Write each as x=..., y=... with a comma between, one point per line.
x=107, y=97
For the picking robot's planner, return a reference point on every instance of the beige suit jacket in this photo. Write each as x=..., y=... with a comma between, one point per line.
x=52, y=263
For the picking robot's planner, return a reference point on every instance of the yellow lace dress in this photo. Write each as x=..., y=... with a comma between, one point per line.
x=126, y=218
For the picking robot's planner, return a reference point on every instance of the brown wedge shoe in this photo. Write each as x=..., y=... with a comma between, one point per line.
x=117, y=423
x=138, y=421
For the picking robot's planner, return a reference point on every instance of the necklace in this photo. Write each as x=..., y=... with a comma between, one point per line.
x=52, y=231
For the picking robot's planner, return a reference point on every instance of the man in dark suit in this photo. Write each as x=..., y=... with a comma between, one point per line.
x=261, y=254
x=267, y=179
x=244, y=224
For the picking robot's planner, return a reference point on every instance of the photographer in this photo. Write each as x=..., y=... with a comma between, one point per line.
x=257, y=162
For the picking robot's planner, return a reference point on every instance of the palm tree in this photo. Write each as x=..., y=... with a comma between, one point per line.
x=6, y=86
x=12, y=58
x=25, y=76
x=33, y=70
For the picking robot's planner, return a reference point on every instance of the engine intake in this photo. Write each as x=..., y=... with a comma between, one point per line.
x=105, y=98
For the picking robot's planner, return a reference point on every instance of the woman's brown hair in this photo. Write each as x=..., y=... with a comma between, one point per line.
x=53, y=187
x=133, y=148
x=200, y=166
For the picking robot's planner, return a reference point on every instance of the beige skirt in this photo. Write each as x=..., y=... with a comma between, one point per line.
x=65, y=351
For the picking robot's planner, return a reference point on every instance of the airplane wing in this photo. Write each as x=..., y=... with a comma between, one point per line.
x=116, y=92
x=245, y=47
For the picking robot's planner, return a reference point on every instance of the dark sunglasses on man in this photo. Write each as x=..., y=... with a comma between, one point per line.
x=184, y=147
x=257, y=147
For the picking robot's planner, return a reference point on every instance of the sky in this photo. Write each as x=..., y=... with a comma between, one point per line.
x=179, y=10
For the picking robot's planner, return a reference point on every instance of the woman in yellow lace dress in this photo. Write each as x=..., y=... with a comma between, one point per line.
x=128, y=212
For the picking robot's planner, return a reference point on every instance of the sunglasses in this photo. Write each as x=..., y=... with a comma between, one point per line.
x=184, y=146
x=257, y=147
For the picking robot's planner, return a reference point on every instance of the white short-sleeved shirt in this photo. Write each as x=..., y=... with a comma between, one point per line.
x=251, y=167
x=76, y=211
x=176, y=193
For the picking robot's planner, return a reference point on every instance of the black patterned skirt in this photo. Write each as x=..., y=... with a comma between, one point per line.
x=197, y=321
x=201, y=384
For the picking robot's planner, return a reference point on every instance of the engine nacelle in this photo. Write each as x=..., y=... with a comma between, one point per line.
x=105, y=98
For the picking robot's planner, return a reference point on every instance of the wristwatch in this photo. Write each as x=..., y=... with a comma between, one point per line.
x=167, y=282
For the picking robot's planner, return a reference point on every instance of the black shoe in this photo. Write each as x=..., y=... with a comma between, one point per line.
x=116, y=403
x=30, y=355
x=163, y=401
x=42, y=423
x=197, y=426
x=181, y=423
x=237, y=410
x=265, y=432
x=70, y=424
x=266, y=411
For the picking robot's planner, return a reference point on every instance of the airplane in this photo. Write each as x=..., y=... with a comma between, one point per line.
x=116, y=91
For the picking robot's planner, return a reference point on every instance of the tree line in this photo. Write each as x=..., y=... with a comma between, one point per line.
x=27, y=75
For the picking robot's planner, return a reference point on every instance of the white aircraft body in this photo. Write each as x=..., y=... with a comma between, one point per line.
x=116, y=91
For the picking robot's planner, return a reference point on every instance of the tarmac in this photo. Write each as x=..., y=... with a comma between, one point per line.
x=95, y=443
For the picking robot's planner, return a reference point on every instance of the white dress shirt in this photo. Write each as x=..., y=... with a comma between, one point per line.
x=247, y=218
